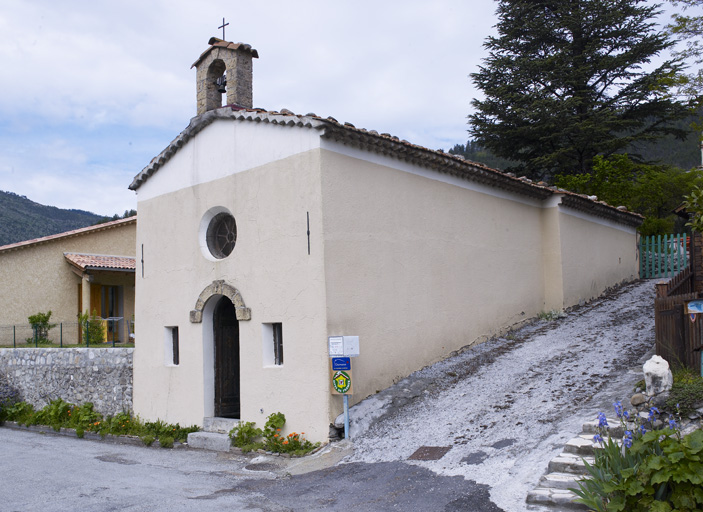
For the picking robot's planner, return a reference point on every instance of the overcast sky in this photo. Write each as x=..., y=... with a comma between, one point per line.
x=90, y=91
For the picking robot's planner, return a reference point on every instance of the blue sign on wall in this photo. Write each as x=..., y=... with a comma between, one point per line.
x=341, y=363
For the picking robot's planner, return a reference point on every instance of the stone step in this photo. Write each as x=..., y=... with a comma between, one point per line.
x=219, y=425
x=582, y=445
x=567, y=468
x=560, y=481
x=569, y=463
x=559, y=499
x=615, y=430
x=209, y=441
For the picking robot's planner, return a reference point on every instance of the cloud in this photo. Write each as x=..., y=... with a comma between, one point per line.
x=93, y=90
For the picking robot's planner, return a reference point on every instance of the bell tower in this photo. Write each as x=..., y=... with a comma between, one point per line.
x=224, y=68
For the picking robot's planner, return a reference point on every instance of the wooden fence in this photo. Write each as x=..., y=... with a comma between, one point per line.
x=678, y=339
x=663, y=255
x=680, y=284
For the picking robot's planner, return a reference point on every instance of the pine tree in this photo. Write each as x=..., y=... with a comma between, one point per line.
x=687, y=28
x=565, y=80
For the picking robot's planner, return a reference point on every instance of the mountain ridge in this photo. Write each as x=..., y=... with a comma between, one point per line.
x=23, y=219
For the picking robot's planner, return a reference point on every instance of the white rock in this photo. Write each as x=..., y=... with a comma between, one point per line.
x=657, y=376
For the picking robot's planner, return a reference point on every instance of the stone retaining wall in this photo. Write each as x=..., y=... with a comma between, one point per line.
x=102, y=376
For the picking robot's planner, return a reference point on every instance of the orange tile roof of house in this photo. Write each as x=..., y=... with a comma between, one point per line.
x=67, y=234
x=101, y=262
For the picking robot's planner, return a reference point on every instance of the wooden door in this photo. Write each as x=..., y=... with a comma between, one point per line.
x=226, y=332
x=96, y=293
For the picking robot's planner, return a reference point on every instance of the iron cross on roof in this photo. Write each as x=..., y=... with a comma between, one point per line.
x=223, y=28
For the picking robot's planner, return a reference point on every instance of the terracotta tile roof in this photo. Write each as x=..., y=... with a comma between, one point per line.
x=101, y=262
x=388, y=145
x=68, y=234
x=216, y=42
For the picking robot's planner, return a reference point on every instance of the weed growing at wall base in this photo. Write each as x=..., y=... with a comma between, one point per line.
x=245, y=434
x=550, y=316
x=8, y=396
x=59, y=414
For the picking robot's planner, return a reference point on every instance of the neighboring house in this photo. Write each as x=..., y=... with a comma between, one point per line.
x=84, y=270
x=262, y=233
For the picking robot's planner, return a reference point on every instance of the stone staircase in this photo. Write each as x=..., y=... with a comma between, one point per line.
x=568, y=467
x=214, y=435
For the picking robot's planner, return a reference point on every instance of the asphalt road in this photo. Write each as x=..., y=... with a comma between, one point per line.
x=50, y=473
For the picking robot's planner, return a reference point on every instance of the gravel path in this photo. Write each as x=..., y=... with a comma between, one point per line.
x=506, y=407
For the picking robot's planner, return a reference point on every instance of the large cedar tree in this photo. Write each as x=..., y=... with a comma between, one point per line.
x=566, y=80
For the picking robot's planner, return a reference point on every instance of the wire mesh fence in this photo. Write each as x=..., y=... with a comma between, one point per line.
x=108, y=332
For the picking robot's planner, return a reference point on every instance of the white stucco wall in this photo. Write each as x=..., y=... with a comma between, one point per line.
x=596, y=254
x=436, y=266
x=270, y=267
x=440, y=263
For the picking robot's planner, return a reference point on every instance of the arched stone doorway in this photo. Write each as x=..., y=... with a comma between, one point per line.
x=220, y=308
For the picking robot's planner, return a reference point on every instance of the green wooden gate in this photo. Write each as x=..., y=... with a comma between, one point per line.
x=663, y=255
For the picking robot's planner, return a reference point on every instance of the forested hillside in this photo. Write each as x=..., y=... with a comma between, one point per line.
x=22, y=219
x=685, y=154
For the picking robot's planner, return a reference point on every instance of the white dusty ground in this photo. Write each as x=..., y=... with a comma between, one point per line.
x=507, y=407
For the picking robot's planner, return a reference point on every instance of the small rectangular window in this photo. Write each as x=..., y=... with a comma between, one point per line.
x=272, y=343
x=278, y=344
x=174, y=334
x=171, y=349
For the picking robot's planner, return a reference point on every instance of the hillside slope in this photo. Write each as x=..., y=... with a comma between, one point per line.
x=22, y=219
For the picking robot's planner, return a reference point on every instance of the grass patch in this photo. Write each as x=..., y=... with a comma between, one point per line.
x=550, y=316
x=686, y=393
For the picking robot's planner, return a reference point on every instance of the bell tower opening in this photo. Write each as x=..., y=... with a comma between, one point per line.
x=224, y=68
x=216, y=84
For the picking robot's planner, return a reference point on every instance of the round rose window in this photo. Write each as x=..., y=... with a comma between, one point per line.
x=221, y=235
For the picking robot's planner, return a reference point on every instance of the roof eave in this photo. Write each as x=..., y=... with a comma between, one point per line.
x=68, y=234
x=601, y=209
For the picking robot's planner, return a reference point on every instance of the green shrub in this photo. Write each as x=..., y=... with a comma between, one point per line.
x=40, y=327
x=244, y=436
x=55, y=414
x=166, y=441
x=93, y=328
x=21, y=412
x=274, y=424
x=59, y=413
x=84, y=417
x=9, y=396
x=686, y=392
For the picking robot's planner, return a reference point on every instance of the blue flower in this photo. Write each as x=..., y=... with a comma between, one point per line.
x=602, y=420
x=626, y=414
x=618, y=408
x=672, y=422
x=651, y=413
x=627, y=439
x=643, y=430
x=597, y=438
